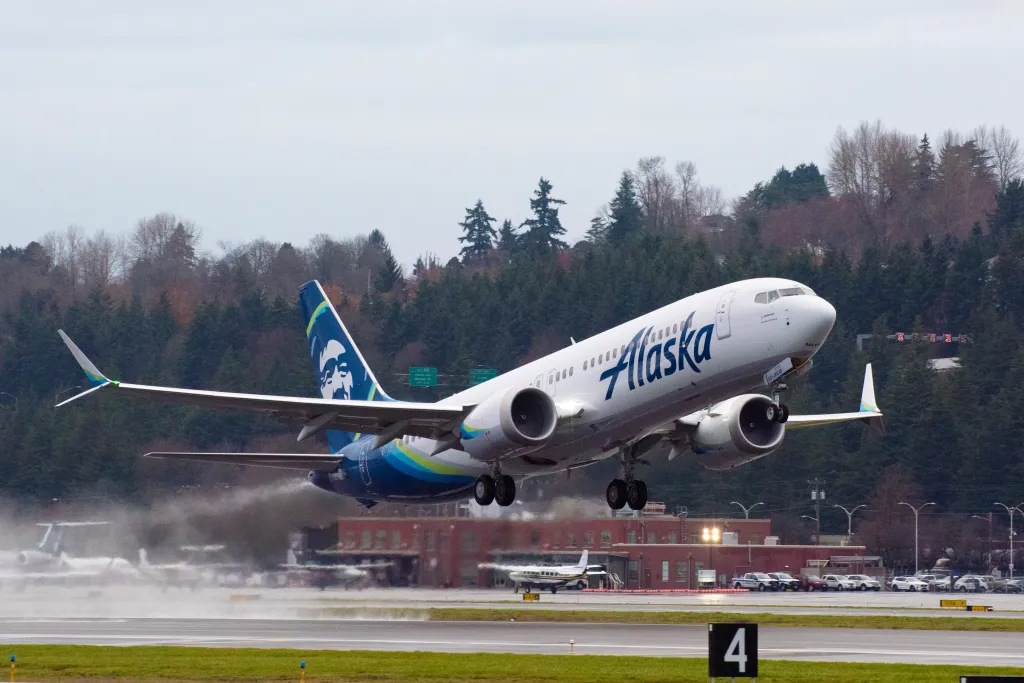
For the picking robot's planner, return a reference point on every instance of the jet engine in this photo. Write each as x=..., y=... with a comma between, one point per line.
x=737, y=431
x=29, y=559
x=510, y=423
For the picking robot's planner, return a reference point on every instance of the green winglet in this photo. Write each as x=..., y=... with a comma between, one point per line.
x=96, y=378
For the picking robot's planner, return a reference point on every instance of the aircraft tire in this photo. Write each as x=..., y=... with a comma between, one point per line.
x=505, y=490
x=554, y=589
x=771, y=413
x=615, y=495
x=483, y=490
x=783, y=413
x=636, y=495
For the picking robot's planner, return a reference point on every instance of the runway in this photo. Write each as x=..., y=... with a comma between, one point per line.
x=828, y=645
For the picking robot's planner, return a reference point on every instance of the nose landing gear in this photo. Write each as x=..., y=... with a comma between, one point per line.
x=777, y=411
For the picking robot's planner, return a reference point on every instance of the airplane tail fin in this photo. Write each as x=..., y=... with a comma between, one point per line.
x=584, y=558
x=868, y=402
x=342, y=372
x=143, y=558
x=290, y=558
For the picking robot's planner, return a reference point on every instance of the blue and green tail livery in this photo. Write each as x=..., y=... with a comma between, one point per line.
x=341, y=371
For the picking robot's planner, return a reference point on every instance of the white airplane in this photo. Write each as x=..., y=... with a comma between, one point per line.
x=47, y=553
x=551, y=577
x=179, y=574
x=686, y=375
x=320, y=574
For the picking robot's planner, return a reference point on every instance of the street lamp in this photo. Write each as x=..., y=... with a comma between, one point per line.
x=849, y=519
x=916, y=511
x=1009, y=511
x=987, y=518
x=746, y=511
x=817, y=521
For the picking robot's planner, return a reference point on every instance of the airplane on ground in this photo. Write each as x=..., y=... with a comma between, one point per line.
x=178, y=574
x=681, y=376
x=552, y=577
x=47, y=552
x=320, y=575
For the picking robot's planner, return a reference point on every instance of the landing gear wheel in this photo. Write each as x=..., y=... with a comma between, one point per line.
x=783, y=414
x=483, y=490
x=554, y=590
x=504, y=490
x=771, y=413
x=616, y=494
x=636, y=494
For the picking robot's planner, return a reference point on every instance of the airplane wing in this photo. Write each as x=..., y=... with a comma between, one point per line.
x=387, y=419
x=868, y=409
x=287, y=461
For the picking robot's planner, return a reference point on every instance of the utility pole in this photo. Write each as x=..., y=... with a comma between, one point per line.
x=746, y=511
x=817, y=495
x=1011, y=510
x=849, y=520
x=916, y=511
x=987, y=518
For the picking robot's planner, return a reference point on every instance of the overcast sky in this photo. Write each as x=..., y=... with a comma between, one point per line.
x=284, y=120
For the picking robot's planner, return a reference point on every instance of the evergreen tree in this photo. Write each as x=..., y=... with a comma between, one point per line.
x=543, y=230
x=627, y=218
x=390, y=272
x=597, y=233
x=508, y=240
x=924, y=164
x=479, y=235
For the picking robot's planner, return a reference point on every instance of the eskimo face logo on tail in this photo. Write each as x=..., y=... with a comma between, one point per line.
x=646, y=365
x=342, y=376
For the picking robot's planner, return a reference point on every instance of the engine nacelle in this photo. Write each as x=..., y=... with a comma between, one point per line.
x=28, y=559
x=511, y=423
x=737, y=431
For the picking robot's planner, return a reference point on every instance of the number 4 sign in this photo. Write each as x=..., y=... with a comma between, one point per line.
x=732, y=651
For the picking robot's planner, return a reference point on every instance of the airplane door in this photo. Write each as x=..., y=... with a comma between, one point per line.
x=539, y=382
x=551, y=384
x=722, y=315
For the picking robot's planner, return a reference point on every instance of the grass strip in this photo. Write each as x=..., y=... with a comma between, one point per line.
x=95, y=664
x=1014, y=625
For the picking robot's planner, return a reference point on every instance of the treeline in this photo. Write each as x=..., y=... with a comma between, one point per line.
x=937, y=247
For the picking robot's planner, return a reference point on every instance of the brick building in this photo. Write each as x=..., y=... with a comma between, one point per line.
x=658, y=552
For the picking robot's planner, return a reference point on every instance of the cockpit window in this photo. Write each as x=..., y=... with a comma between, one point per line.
x=773, y=295
x=791, y=291
x=768, y=297
x=761, y=298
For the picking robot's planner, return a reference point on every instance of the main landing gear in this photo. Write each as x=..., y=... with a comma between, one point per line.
x=500, y=488
x=777, y=411
x=627, y=491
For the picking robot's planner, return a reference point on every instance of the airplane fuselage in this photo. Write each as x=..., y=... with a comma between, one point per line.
x=669, y=363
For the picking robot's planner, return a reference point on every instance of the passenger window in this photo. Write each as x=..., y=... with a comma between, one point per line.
x=556, y=376
x=570, y=371
x=623, y=349
x=599, y=360
x=675, y=328
x=593, y=362
x=615, y=353
x=761, y=298
x=660, y=335
x=584, y=365
x=550, y=379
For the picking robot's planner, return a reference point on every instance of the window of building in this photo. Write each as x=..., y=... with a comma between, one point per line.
x=606, y=539
x=534, y=537
x=672, y=538
x=630, y=536
x=429, y=537
x=588, y=539
x=682, y=572
x=468, y=572
x=365, y=539
x=349, y=539
x=571, y=542
x=664, y=571
x=396, y=538
x=652, y=537
x=468, y=541
x=380, y=538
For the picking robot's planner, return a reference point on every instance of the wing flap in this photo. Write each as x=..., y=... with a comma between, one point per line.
x=286, y=461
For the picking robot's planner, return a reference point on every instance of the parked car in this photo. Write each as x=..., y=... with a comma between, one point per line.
x=786, y=582
x=908, y=583
x=755, y=581
x=970, y=584
x=863, y=582
x=1010, y=586
x=838, y=582
x=936, y=582
x=813, y=582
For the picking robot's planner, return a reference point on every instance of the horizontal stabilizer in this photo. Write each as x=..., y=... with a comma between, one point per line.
x=286, y=461
x=868, y=410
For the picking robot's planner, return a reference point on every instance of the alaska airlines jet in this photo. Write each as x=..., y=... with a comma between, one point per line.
x=702, y=374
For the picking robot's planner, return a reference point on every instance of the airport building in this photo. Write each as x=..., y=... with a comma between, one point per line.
x=639, y=551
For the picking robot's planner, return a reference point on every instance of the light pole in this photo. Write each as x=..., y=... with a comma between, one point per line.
x=1010, y=510
x=817, y=521
x=746, y=511
x=916, y=511
x=987, y=518
x=849, y=519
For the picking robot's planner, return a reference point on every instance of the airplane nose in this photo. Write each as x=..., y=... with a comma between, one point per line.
x=822, y=316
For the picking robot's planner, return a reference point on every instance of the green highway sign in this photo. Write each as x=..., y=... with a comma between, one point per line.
x=480, y=375
x=422, y=377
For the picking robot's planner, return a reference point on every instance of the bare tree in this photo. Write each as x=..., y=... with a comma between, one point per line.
x=1005, y=149
x=656, y=191
x=99, y=261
